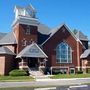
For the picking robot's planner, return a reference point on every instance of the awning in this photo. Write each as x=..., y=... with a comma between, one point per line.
x=85, y=54
x=32, y=50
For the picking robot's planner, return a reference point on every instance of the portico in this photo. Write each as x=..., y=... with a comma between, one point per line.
x=32, y=56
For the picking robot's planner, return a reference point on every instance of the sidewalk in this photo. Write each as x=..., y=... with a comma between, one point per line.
x=48, y=79
x=46, y=82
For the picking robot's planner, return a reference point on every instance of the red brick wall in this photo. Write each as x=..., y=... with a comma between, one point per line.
x=49, y=47
x=9, y=63
x=6, y=64
x=2, y=65
x=20, y=35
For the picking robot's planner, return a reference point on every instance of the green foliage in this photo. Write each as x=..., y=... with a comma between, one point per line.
x=89, y=70
x=79, y=72
x=75, y=31
x=17, y=72
x=56, y=71
x=15, y=78
x=58, y=76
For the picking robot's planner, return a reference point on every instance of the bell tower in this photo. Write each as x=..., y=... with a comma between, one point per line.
x=25, y=26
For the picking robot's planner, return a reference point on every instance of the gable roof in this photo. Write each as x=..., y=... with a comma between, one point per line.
x=81, y=36
x=53, y=31
x=8, y=39
x=2, y=35
x=43, y=29
x=5, y=50
x=32, y=50
x=85, y=54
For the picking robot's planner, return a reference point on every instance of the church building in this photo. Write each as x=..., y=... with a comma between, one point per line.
x=31, y=44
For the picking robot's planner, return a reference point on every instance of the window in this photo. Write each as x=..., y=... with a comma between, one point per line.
x=27, y=31
x=63, y=53
x=72, y=70
x=24, y=42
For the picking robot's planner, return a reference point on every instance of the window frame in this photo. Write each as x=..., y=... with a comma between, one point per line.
x=58, y=55
x=28, y=30
x=24, y=42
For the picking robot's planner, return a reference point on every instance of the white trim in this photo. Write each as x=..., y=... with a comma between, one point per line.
x=72, y=69
x=25, y=20
x=85, y=66
x=33, y=43
x=59, y=67
x=28, y=30
x=41, y=50
x=15, y=36
x=59, y=48
x=57, y=29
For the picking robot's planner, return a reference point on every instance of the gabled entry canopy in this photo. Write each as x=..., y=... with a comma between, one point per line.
x=85, y=54
x=32, y=50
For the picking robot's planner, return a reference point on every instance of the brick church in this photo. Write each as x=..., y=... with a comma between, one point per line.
x=32, y=44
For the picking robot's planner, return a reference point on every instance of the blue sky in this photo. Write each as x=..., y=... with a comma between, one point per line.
x=75, y=13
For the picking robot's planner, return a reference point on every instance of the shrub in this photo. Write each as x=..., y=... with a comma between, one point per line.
x=89, y=70
x=79, y=72
x=56, y=71
x=17, y=72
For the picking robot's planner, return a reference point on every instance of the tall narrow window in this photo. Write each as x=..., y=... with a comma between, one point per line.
x=63, y=53
x=24, y=42
x=27, y=31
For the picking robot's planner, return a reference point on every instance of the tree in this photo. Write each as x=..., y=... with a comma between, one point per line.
x=75, y=31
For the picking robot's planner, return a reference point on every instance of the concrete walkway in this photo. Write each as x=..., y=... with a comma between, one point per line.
x=46, y=82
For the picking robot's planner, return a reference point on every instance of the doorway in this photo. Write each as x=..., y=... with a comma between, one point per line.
x=32, y=62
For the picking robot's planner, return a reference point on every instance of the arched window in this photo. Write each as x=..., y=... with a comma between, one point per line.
x=27, y=31
x=63, y=53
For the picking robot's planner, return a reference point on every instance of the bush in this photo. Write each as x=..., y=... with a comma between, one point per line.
x=17, y=72
x=89, y=70
x=79, y=72
x=56, y=71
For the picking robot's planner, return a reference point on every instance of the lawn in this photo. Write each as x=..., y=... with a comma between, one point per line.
x=16, y=78
x=17, y=88
x=70, y=76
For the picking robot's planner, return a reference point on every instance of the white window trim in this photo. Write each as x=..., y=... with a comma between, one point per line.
x=27, y=31
x=72, y=69
x=59, y=59
x=24, y=42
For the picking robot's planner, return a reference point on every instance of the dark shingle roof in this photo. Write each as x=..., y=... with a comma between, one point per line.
x=43, y=29
x=8, y=39
x=53, y=31
x=81, y=36
x=5, y=50
x=2, y=35
x=42, y=38
x=85, y=54
x=32, y=50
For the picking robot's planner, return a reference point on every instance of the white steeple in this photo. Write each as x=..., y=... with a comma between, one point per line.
x=27, y=11
x=25, y=15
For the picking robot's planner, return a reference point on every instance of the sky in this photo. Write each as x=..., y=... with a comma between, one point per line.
x=74, y=13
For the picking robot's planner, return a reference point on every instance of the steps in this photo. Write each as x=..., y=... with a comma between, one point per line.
x=39, y=76
x=35, y=72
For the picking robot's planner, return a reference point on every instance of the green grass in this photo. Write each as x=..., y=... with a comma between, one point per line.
x=17, y=88
x=70, y=76
x=16, y=78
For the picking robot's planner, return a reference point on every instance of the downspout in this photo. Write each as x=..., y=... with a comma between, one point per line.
x=78, y=56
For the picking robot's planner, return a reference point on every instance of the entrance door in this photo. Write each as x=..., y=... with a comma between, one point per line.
x=32, y=62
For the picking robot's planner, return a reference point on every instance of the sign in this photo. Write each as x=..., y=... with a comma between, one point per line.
x=34, y=50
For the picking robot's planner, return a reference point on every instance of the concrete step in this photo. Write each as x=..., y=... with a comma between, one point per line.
x=35, y=72
x=42, y=77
